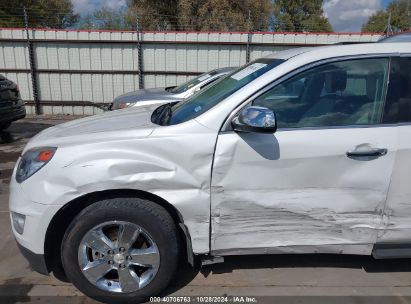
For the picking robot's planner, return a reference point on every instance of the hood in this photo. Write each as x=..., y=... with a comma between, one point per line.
x=146, y=94
x=135, y=122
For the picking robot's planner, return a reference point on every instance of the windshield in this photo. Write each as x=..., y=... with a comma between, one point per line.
x=193, y=82
x=212, y=95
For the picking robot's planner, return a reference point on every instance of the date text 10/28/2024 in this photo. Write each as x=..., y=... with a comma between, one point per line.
x=205, y=299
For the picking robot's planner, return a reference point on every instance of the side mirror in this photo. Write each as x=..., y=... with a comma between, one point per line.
x=255, y=119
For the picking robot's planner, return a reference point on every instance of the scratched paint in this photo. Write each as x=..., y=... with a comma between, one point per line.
x=138, y=155
x=277, y=191
x=398, y=207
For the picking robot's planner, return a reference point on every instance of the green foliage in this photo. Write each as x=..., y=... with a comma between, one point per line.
x=300, y=16
x=217, y=15
x=42, y=13
x=400, y=18
x=153, y=14
x=225, y=15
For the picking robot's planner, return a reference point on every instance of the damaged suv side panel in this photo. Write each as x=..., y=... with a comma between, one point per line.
x=322, y=179
x=294, y=195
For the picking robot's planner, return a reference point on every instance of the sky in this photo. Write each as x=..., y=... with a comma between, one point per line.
x=350, y=15
x=84, y=7
x=344, y=15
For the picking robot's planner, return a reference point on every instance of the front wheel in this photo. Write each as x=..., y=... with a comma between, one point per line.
x=121, y=250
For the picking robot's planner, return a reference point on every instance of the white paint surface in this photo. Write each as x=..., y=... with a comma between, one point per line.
x=298, y=188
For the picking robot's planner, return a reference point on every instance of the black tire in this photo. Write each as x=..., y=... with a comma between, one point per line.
x=4, y=125
x=153, y=218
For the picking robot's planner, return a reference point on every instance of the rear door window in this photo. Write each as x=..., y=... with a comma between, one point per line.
x=397, y=108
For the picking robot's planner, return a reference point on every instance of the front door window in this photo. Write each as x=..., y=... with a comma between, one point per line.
x=343, y=93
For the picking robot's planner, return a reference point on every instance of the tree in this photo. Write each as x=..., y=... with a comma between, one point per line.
x=219, y=15
x=41, y=13
x=224, y=15
x=300, y=16
x=153, y=14
x=399, y=10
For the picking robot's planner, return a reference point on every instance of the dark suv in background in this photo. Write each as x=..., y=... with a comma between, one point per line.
x=11, y=104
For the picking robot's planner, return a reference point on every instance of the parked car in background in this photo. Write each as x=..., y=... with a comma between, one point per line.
x=11, y=105
x=169, y=94
x=304, y=151
x=402, y=37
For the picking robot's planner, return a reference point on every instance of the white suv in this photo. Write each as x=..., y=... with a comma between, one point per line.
x=303, y=151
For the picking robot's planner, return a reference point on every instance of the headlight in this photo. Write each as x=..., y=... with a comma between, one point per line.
x=32, y=161
x=124, y=105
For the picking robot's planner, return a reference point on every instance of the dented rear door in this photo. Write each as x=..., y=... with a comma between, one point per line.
x=308, y=189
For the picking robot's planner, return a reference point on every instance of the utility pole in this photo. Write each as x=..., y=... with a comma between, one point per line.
x=140, y=54
x=32, y=62
x=248, y=37
x=389, y=31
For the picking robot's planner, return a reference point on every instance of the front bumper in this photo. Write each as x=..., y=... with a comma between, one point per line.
x=37, y=261
x=38, y=217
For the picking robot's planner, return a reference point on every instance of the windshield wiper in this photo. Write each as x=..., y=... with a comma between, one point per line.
x=170, y=89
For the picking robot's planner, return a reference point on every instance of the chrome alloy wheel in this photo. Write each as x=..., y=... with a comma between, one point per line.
x=118, y=256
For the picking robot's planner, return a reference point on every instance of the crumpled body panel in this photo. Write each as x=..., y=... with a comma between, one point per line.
x=398, y=208
x=299, y=189
x=173, y=165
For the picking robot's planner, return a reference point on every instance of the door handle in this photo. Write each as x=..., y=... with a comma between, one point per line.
x=373, y=152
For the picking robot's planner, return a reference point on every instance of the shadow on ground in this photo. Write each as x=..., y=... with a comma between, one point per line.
x=21, y=130
x=186, y=274
x=368, y=263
